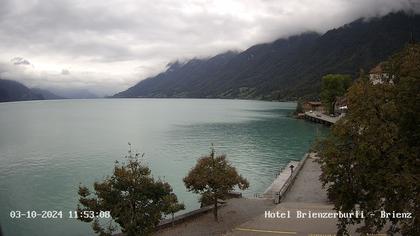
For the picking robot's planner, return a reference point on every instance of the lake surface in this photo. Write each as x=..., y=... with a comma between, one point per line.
x=48, y=147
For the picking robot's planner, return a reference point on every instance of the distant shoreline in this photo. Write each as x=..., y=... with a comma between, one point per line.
x=104, y=98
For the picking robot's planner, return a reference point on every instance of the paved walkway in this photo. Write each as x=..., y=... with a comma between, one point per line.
x=247, y=216
x=236, y=212
x=305, y=196
x=323, y=117
x=280, y=180
x=263, y=225
x=307, y=187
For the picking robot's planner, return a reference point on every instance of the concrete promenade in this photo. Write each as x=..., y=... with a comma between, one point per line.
x=307, y=187
x=321, y=118
x=259, y=216
x=305, y=196
x=249, y=213
x=234, y=213
x=280, y=181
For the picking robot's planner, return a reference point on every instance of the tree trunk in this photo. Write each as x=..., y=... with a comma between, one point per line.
x=215, y=209
x=333, y=108
x=173, y=222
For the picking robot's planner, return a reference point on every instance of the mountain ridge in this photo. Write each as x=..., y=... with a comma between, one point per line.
x=11, y=90
x=48, y=95
x=285, y=69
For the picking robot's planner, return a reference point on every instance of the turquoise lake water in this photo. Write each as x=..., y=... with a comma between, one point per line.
x=48, y=147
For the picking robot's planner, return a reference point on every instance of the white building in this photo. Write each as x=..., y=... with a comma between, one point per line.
x=377, y=75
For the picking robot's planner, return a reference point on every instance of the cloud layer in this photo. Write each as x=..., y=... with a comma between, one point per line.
x=107, y=46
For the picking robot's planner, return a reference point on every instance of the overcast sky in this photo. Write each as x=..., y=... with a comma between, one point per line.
x=107, y=46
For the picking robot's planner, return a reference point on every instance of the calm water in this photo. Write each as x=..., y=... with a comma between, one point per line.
x=48, y=147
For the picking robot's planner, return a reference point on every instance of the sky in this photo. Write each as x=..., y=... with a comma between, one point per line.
x=108, y=46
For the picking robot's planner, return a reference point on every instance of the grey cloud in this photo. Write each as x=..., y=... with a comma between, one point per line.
x=126, y=34
x=99, y=83
x=20, y=61
x=65, y=72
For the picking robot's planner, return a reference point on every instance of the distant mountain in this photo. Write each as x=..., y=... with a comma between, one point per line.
x=46, y=94
x=73, y=93
x=181, y=80
x=286, y=68
x=14, y=91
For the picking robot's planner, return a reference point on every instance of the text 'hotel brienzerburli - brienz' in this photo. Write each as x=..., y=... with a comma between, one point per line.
x=331, y=215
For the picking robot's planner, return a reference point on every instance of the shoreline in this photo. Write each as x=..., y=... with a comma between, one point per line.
x=157, y=98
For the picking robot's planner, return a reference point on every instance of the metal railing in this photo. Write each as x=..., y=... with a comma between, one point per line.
x=278, y=196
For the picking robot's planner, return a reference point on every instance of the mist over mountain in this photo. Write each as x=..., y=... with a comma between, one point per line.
x=11, y=90
x=73, y=93
x=285, y=69
x=48, y=95
x=14, y=91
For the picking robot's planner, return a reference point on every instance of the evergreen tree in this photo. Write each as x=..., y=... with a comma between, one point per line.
x=299, y=107
x=333, y=86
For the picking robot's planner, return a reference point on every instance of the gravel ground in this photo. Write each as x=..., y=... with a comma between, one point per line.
x=236, y=212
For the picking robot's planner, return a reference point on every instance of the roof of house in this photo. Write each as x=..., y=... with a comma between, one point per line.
x=315, y=103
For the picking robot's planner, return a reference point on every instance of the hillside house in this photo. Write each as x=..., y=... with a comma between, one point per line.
x=340, y=105
x=377, y=75
x=313, y=106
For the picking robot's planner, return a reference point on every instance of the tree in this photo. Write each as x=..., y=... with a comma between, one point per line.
x=213, y=178
x=132, y=197
x=333, y=86
x=173, y=206
x=299, y=107
x=370, y=161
